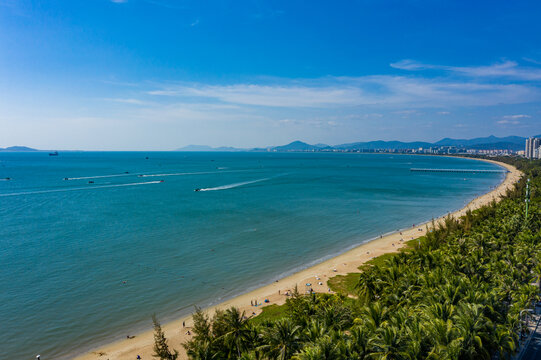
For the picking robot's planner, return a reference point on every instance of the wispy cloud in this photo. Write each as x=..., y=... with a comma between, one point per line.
x=315, y=123
x=266, y=95
x=520, y=116
x=533, y=61
x=512, y=119
x=360, y=91
x=508, y=122
x=506, y=69
x=127, y=101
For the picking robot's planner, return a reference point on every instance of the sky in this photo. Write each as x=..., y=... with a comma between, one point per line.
x=162, y=74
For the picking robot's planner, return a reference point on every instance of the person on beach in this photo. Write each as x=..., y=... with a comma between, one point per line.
x=38, y=357
x=183, y=324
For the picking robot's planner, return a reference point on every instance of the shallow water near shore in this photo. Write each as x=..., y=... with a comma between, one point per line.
x=94, y=243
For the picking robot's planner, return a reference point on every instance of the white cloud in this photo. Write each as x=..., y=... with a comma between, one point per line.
x=266, y=95
x=506, y=69
x=333, y=92
x=408, y=64
x=127, y=101
x=444, y=112
x=512, y=119
x=508, y=122
x=520, y=116
x=405, y=112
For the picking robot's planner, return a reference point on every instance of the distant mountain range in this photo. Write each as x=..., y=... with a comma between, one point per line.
x=374, y=145
x=492, y=142
x=208, y=148
x=300, y=146
x=482, y=141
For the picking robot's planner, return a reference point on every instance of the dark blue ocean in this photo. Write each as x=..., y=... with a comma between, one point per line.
x=87, y=263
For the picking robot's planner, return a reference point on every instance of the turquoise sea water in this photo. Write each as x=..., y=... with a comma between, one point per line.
x=87, y=263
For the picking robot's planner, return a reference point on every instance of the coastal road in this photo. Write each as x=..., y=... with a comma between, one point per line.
x=533, y=351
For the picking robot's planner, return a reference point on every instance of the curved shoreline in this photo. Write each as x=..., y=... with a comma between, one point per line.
x=347, y=262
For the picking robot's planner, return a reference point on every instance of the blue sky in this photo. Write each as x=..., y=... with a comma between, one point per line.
x=161, y=74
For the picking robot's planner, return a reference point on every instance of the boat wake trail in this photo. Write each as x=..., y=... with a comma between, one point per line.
x=150, y=175
x=231, y=186
x=98, y=176
x=81, y=188
x=190, y=173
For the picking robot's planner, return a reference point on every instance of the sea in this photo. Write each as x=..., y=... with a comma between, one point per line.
x=93, y=243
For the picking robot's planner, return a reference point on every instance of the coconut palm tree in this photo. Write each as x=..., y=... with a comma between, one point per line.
x=236, y=331
x=281, y=340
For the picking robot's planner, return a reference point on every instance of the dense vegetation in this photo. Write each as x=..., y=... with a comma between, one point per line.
x=455, y=294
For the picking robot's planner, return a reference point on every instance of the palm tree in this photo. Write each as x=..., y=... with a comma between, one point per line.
x=473, y=331
x=236, y=330
x=323, y=349
x=314, y=330
x=506, y=342
x=281, y=340
x=201, y=351
x=358, y=342
x=374, y=315
x=335, y=316
x=388, y=344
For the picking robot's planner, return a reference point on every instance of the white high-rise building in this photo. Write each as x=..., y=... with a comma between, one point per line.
x=532, y=144
x=537, y=153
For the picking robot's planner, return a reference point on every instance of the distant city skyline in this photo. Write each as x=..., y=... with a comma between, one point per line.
x=159, y=75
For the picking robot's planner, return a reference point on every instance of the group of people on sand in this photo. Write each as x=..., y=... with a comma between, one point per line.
x=183, y=326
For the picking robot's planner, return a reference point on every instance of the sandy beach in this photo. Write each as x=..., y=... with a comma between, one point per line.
x=348, y=262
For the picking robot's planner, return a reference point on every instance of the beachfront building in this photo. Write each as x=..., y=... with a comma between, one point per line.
x=532, y=148
x=537, y=153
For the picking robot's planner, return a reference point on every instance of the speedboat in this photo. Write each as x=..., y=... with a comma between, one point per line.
x=53, y=153
x=198, y=189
